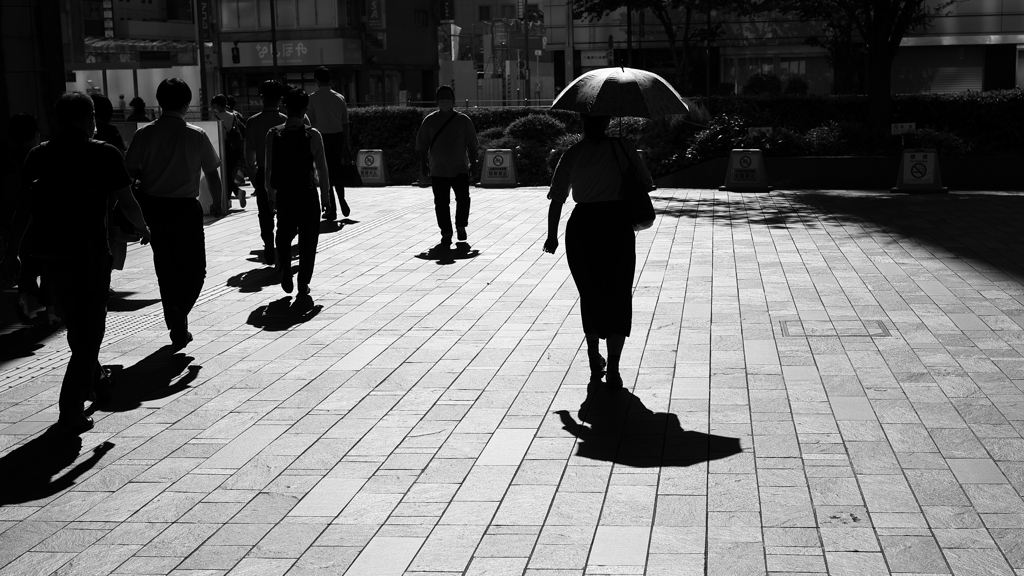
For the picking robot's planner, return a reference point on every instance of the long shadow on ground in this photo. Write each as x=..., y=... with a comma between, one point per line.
x=624, y=431
x=282, y=314
x=446, y=255
x=160, y=375
x=33, y=471
x=981, y=227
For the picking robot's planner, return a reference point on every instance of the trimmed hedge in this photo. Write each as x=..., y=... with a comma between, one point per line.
x=969, y=123
x=394, y=129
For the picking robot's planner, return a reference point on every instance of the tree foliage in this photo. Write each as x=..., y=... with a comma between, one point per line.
x=684, y=23
x=879, y=24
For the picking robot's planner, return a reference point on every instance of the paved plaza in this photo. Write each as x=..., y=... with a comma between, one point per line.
x=816, y=382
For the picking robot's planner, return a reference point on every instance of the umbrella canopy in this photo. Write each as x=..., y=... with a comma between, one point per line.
x=621, y=92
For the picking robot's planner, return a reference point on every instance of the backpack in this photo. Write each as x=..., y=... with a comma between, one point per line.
x=293, y=160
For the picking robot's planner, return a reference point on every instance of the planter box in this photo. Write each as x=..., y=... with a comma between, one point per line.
x=855, y=173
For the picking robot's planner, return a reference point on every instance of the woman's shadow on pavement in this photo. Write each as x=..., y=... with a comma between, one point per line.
x=447, y=255
x=624, y=431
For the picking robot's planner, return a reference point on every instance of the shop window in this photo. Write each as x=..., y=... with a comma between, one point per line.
x=485, y=12
x=792, y=66
x=508, y=11
x=255, y=14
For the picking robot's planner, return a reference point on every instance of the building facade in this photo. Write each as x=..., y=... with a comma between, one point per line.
x=127, y=47
x=379, y=51
x=977, y=46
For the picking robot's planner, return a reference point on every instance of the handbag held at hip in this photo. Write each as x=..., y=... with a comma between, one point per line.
x=636, y=192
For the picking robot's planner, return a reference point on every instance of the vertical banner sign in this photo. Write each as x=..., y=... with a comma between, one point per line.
x=204, y=20
x=108, y=18
x=375, y=14
x=447, y=11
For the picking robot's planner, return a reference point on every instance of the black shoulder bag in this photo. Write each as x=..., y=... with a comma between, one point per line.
x=635, y=191
x=443, y=126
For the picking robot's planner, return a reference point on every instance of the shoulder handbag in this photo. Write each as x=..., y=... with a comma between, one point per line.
x=635, y=191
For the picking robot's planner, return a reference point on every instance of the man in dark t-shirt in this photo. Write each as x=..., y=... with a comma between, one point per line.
x=69, y=208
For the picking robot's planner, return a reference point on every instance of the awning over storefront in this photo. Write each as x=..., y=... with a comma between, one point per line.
x=112, y=53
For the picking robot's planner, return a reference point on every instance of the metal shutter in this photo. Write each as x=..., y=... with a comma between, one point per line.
x=937, y=69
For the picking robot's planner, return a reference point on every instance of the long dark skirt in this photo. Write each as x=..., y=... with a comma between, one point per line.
x=601, y=248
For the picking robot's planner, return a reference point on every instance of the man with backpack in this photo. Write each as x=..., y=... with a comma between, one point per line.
x=293, y=152
x=447, y=145
x=70, y=205
x=234, y=144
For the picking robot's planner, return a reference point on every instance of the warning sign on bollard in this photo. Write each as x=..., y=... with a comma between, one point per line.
x=499, y=169
x=372, y=167
x=746, y=172
x=919, y=172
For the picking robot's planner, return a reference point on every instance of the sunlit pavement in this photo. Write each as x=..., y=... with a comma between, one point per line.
x=815, y=383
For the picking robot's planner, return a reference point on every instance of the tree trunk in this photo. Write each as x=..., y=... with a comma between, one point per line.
x=880, y=85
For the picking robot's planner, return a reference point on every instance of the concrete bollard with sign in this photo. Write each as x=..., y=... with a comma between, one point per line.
x=920, y=172
x=499, y=169
x=373, y=168
x=746, y=172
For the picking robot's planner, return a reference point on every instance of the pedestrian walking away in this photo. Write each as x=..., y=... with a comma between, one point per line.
x=167, y=157
x=295, y=163
x=119, y=228
x=234, y=144
x=138, y=111
x=23, y=132
x=257, y=127
x=70, y=203
x=600, y=241
x=447, y=145
x=328, y=113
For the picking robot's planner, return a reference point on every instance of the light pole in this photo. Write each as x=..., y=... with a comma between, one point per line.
x=273, y=38
x=707, y=45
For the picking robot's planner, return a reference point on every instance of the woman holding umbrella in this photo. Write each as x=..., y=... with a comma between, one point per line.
x=600, y=241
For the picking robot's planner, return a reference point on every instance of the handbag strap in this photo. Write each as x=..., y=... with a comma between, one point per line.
x=616, y=155
x=443, y=126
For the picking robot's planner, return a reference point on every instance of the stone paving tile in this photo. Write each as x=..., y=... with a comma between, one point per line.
x=862, y=350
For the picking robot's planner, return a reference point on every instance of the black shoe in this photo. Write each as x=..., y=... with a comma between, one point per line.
x=181, y=339
x=330, y=215
x=614, y=380
x=597, y=364
x=461, y=230
x=303, y=289
x=21, y=309
x=269, y=256
x=241, y=198
x=446, y=240
x=286, y=284
x=345, y=211
x=75, y=424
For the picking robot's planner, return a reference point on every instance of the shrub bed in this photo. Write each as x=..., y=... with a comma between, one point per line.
x=963, y=124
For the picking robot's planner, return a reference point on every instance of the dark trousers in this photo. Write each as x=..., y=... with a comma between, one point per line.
x=179, y=254
x=442, y=200
x=334, y=149
x=298, y=211
x=232, y=157
x=600, y=247
x=266, y=211
x=82, y=289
